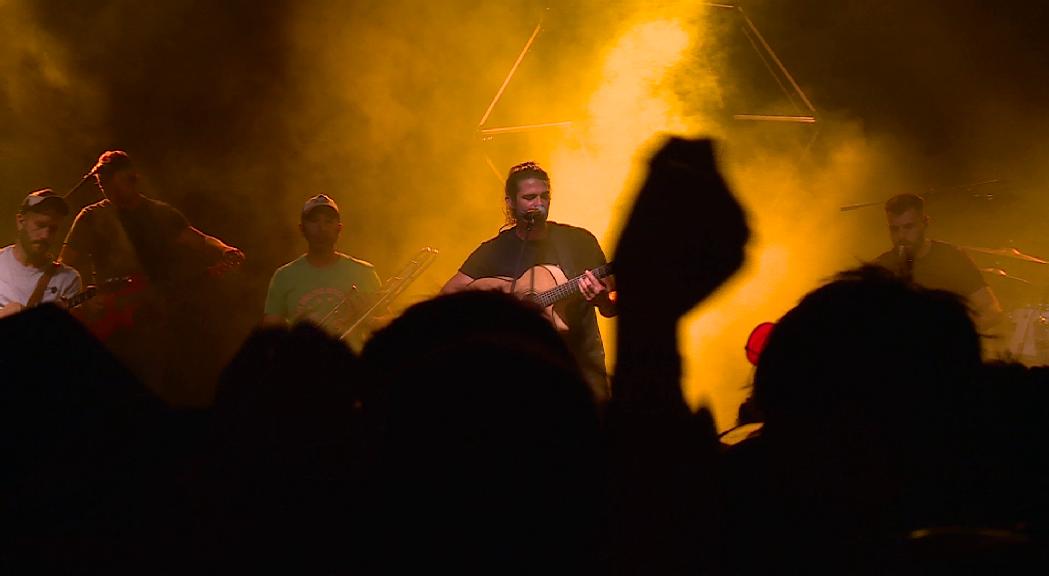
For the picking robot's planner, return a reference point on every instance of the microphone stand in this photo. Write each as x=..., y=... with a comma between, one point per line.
x=84, y=179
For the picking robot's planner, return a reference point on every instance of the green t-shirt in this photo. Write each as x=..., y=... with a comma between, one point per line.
x=301, y=291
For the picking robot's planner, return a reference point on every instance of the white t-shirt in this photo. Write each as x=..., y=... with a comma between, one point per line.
x=17, y=281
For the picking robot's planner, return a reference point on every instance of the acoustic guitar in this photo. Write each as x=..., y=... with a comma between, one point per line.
x=545, y=285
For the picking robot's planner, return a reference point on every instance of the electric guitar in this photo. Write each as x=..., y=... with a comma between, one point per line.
x=91, y=291
x=73, y=302
x=114, y=310
x=117, y=309
x=545, y=285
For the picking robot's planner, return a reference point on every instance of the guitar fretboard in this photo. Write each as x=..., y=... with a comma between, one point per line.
x=77, y=300
x=570, y=288
x=91, y=291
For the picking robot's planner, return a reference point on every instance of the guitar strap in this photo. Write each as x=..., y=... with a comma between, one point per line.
x=38, y=292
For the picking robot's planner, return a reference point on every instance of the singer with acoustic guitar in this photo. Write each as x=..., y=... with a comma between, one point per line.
x=560, y=267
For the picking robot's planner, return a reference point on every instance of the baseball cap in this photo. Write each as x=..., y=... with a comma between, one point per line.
x=45, y=199
x=318, y=201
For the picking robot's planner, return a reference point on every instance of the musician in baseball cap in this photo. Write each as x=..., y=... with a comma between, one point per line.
x=323, y=286
x=44, y=201
x=28, y=273
x=318, y=201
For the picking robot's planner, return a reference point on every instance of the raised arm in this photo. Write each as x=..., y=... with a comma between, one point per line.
x=687, y=226
x=684, y=220
x=194, y=239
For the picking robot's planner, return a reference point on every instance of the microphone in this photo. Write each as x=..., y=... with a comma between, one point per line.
x=537, y=213
x=906, y=262
x=83, y=180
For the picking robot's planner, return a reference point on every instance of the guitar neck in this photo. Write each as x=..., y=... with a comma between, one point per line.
x=570, y=288
x=77, y=300
x=91, y=291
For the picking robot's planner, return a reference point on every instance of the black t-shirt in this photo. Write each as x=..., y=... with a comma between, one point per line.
x=574, y=250
x=122, y=242
x=945, y=267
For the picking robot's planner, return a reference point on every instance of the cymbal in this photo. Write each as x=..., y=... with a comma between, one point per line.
x=1003, y=274
x=1006, y=252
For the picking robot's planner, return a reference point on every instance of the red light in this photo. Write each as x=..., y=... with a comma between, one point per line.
x=756, y=341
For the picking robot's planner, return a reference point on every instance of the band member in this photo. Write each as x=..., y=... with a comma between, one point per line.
x=27, y=268
x=935, y=264
x=129, y=234
x=323, y=285
x=530, y=240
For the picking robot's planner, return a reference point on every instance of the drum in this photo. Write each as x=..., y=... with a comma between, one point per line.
x=1029, y=339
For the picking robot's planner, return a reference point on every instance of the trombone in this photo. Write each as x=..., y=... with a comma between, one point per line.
x=393, y=288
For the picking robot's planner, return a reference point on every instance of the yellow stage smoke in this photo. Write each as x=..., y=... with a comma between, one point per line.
x=650, y=67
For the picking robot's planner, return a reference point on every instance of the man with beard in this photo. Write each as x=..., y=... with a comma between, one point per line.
x=27, y=269
x=935, y=264
x=531, y=246
x=322, y=286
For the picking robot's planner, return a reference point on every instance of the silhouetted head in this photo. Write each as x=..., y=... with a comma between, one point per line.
x=288, y=385
x=863, y=343
x=288, y=466
x=865, y=389
x=491, y=444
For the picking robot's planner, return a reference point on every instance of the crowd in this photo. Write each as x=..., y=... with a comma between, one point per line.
x=464, y=437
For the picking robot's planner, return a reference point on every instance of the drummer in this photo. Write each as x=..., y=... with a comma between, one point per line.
x=935, y=264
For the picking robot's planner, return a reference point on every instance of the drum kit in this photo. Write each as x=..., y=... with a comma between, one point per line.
x=1026, y=301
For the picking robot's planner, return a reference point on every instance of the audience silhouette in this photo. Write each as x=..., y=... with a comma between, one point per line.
x=463, y=438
